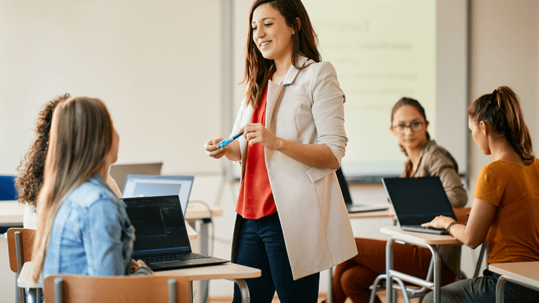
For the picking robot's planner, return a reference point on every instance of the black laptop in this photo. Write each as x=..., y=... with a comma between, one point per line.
x=161, y=236
x=417, y=201
x=350, y=206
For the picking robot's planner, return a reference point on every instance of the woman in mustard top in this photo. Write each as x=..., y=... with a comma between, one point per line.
x=505, y=209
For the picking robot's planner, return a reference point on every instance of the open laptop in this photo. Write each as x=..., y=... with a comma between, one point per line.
x=161, y=236
x=119, y=172
x=351, y=207
x=417, y=201
x=156, y=185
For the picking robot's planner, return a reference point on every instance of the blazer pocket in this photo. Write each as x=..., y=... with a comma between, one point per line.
x=317, y=173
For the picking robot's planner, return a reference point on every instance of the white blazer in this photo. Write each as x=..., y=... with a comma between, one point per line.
x=307, y=108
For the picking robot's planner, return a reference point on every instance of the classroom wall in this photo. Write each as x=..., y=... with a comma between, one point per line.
x=155, y=64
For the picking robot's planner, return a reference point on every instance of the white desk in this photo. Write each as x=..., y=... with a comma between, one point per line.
x=229, y=271
x=429, y=241
x=522, y=273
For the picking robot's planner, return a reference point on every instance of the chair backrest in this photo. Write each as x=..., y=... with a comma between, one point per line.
x=85, y=289
x=462, y=214
x=27, y=237
x=8, y=192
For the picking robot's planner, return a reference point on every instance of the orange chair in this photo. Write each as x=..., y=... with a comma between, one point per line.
x=20, y=242
x=143, y=289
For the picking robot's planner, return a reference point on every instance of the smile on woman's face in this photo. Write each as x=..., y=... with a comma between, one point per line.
x=271, y=34
x=410, y=127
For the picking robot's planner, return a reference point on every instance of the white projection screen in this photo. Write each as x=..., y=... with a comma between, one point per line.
x=384, y=50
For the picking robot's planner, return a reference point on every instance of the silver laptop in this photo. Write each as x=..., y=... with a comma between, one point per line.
x=162, y=241
x=417, y=201
x=119, y=172
x=156, y=185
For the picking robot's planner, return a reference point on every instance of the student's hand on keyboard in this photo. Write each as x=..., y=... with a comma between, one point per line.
x=439, y=222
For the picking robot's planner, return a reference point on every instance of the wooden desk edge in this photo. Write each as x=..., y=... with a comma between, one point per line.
x=423, y=238
x=532, y=266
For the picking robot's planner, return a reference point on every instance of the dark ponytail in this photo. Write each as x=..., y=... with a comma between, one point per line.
x=501, y=110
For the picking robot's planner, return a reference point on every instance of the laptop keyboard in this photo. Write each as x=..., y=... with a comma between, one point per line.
x=423, y=229
x=178, y=257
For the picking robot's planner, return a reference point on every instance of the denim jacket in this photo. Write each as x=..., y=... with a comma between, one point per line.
x=91, y=234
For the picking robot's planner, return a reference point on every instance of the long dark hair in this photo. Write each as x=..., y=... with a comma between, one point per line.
x=32, y=165
x=257, y=68
x=412, y=102
x=501, y=110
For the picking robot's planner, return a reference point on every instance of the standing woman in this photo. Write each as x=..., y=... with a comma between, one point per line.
x=292, y=222
x=505, y=209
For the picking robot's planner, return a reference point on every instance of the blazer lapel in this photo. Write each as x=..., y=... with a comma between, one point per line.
x=276, y=92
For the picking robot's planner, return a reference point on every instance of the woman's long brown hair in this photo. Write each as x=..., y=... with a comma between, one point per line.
x=31, y=168
x=501, y=110
x=80, y=139
x=258, y=69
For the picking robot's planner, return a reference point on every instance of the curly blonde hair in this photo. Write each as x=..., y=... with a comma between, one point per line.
x=32, y=165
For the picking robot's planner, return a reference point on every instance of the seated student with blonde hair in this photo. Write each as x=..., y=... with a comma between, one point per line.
x=31, y=168
x=505, y=208
x=84, y=227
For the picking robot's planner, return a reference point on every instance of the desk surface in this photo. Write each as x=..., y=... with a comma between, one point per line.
x=422, y=238
x=224, y=271
x=370, y=214
x=525, y=272
x=12, y=212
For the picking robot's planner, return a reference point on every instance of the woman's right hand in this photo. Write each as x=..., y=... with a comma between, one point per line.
x=213, y=150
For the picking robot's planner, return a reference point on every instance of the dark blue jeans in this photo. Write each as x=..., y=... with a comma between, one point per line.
x=483, y=290
x=261, y=245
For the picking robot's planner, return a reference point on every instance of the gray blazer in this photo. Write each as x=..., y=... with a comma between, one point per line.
x=307, y=108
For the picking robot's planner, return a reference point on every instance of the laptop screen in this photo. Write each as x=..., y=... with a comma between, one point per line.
x=156, y=185
x=159, y=224
x=119, y=172
x=418, y=200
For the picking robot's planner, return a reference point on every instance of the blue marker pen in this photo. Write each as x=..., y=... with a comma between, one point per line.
x=227, y=141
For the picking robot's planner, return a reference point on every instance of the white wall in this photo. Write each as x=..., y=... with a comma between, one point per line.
x=155, y=64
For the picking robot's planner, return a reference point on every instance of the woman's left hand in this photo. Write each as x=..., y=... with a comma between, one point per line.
x=439, y=222
x=258, y=133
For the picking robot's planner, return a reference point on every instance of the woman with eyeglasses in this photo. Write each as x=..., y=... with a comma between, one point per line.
x=425, y=159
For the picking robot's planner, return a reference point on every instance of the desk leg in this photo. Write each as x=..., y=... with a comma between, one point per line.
x=32, y=295
x=329, y=298
x=244, y=289
x=204, y=249
x=389, y=265
x=437, y=293
x=499, y=289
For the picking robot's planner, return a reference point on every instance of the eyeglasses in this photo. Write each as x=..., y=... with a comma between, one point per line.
x=414, y=127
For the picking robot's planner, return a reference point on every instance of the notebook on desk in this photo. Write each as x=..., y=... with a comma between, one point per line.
x=162, y=241
x=417, y=201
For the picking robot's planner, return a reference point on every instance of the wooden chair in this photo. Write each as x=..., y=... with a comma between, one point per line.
x=20, y=243
x=85, y=289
